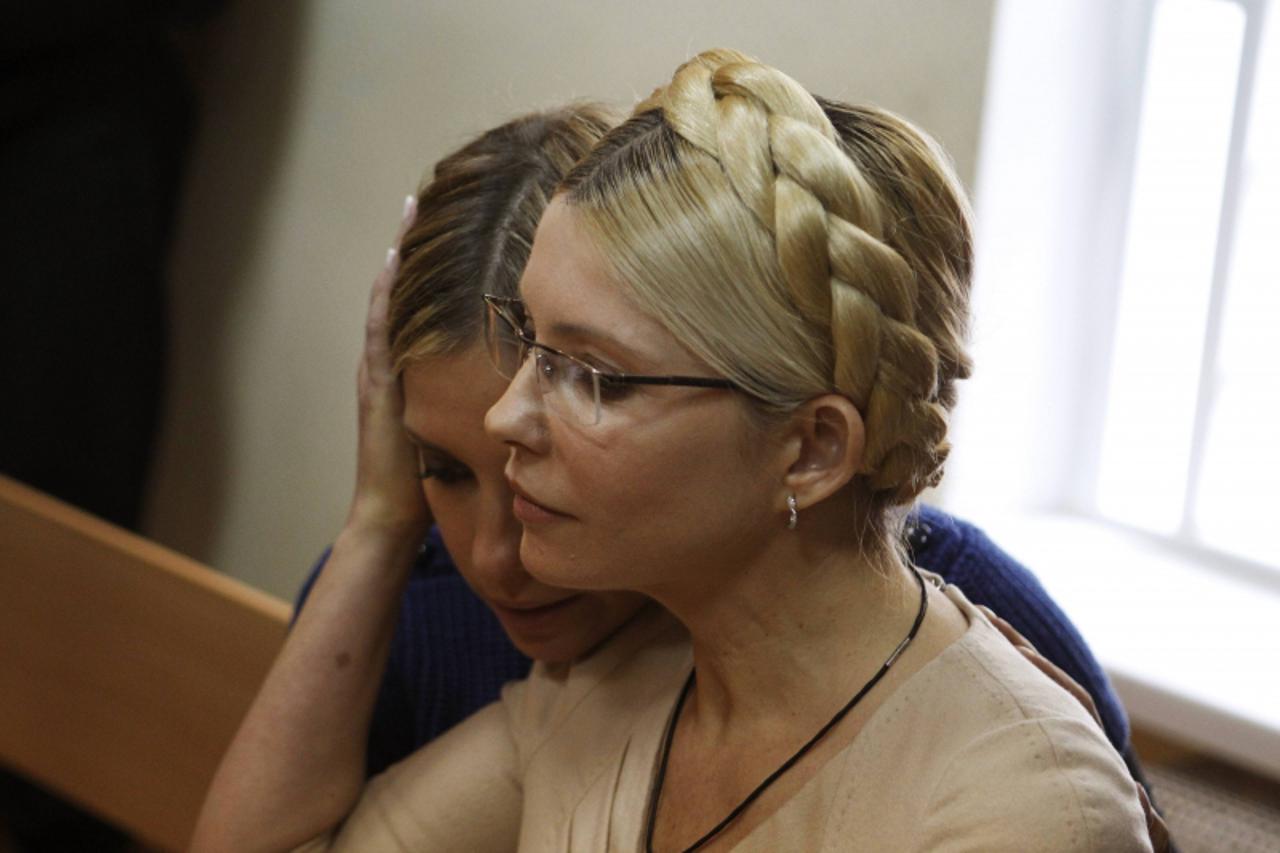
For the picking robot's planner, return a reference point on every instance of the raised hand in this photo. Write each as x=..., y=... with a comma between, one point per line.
x=295, y=768
x=388, y=495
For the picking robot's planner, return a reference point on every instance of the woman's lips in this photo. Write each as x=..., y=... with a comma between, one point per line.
x=531, y=513
x=531, y=619
x=528, y=510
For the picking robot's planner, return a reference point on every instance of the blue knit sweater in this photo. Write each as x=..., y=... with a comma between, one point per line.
x=450, y=656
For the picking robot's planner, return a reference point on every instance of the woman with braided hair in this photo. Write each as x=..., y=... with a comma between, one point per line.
x=736, y=346
x=744, y=310
x=735, y=351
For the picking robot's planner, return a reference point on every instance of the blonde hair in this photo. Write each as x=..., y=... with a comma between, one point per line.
x=474, y=226
x=798, y=246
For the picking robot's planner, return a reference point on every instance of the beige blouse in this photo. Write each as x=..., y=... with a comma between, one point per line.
x=977, y=751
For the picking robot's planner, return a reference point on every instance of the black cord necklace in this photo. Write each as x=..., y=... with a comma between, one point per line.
x=655, y=795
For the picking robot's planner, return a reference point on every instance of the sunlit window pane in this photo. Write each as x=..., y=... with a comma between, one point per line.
x=1183, y=141
x=1240, y=481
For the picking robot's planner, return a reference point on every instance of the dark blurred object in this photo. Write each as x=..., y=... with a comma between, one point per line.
x=96, y=115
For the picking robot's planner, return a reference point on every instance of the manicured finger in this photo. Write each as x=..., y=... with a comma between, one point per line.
x=377, y=348
x=1006, y=630
x=375, y=324
x=1055, y=673
x=1157, y=830
x=381, y=289
x=1059, y=676
x=392, y=262
x=406, y=219
x=1073, y=687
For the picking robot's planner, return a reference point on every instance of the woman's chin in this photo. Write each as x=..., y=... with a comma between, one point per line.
x=558, y=634
x=553, y=566
x=570, y=630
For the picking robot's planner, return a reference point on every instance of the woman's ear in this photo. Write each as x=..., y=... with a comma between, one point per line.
x=826, y=444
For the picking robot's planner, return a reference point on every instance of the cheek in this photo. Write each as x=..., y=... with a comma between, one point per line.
x=483, y=536
x=658, y=500
x=455, y=516
x=665, y=472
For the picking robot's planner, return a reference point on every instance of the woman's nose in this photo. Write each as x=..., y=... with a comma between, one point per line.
x=517, y=417
x=495, y=550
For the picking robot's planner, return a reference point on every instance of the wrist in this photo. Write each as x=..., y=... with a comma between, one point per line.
x=375, y=516
x=390, y=542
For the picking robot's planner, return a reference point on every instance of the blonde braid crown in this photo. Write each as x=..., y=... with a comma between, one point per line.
x=832, y=228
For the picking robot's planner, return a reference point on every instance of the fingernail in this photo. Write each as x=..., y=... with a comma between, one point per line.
x=408, y=205
x=391, y=256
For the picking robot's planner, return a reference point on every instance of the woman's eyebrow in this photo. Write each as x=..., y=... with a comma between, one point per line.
x=586, y=333
x=582, y=332
x=423, y=444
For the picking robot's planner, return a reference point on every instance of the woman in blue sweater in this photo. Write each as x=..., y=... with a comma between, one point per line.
x=411, y=627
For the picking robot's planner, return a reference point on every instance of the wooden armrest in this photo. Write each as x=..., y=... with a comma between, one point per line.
x=125, y=667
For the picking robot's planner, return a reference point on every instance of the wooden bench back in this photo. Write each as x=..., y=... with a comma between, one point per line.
x=125, y=667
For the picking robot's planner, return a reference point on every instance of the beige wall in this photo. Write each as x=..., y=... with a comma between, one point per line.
x=319, y=117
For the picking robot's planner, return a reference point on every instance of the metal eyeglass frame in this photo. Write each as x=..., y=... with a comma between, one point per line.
x=508, y=308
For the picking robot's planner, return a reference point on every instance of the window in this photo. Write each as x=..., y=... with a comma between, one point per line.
x=1117, y=432
x=1194, y=395
x=1127, y=304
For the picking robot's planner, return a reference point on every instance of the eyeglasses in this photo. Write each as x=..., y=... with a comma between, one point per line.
x=574, y=389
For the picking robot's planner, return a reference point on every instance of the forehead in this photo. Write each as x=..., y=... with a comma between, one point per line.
x=446, y=397
x=568, y=283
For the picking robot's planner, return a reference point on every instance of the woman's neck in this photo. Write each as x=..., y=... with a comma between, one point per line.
x=778, y=641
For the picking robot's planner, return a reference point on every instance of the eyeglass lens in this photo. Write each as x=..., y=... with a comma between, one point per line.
x=507, y=350
x=570, y=388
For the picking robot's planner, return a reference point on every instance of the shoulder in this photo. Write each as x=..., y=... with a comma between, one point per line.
x=1019, y=764
x=1050, y=783
x=979, y=751
x=962, y=554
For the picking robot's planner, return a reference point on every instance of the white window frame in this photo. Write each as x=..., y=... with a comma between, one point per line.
x=1056, y=166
